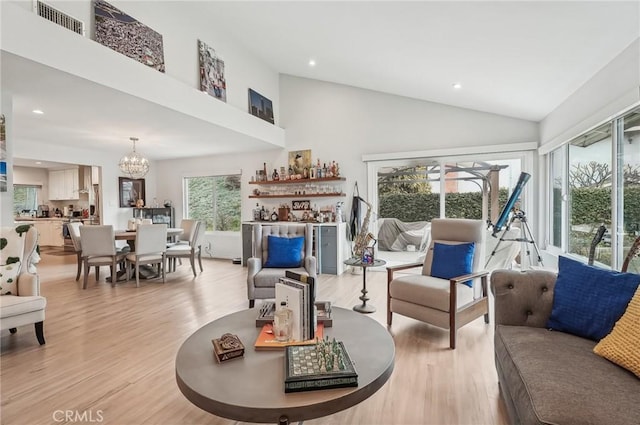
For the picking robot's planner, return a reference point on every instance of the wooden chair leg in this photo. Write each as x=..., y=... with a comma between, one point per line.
x=79, y=255
x=114, y=273
x=452, y=338
x=200, y=260
x=97, y=273
x=193, y=265
x=40, y=332
x=252, y=303
x=86, y=275
x=137, y=274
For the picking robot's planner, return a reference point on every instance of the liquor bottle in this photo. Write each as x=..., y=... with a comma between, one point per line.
x=274, y=215
x=283, y=322
x=256, y=213
x=318, y=170
x=264, y=171
x=275, y=176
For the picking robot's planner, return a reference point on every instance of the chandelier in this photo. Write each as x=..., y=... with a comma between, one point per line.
x=133, y=164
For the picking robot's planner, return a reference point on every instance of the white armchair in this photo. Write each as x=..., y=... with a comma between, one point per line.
x=261, y=277
x=21, y=303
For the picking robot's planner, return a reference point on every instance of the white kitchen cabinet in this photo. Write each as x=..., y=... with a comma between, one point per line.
x=63, y=184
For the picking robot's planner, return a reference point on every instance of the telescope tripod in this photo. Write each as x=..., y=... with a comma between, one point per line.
x=527, y=237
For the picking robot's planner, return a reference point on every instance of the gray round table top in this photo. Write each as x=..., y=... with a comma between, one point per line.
x=358, y=263
x=251, y=388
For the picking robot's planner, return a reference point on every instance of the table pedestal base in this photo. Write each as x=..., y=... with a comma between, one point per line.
x=364, y=308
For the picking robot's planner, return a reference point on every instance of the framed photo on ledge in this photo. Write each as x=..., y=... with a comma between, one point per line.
x=130, y=191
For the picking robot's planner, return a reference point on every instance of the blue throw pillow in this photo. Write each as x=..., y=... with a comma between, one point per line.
x=587, y=300
x=452, y=260
x=284, y=252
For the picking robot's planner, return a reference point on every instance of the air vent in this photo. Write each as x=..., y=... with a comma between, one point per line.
x=62, y=19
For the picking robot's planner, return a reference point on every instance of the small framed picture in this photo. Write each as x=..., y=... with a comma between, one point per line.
x=130, y=191
x=260, y=106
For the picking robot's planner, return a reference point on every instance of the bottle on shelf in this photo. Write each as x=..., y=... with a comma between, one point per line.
x=257, y=213
x=274, y=215
x=264, y=171
x=275, y=176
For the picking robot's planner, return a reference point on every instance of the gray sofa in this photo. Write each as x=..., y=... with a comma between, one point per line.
x=550, y=377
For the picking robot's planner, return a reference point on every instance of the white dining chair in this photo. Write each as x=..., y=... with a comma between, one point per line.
x=74, y=233
x=191, y=249
x=99, y=249
x=151, y=245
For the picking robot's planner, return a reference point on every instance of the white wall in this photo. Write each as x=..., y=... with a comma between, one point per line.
x=342, y=123
x=613, y=89
x=180, y=30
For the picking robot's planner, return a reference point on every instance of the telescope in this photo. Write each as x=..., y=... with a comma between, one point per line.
x=504, y=214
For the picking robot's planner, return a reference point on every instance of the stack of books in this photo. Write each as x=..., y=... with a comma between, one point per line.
x=298, y=293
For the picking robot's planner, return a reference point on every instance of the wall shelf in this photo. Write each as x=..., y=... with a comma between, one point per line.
x=300, y=181
x=308, y=195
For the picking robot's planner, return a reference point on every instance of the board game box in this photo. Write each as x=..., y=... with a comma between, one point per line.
x=319, y=366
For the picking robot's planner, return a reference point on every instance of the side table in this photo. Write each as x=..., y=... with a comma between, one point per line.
x=364, y=308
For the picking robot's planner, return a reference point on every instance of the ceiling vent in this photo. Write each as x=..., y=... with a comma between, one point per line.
x=62, y=19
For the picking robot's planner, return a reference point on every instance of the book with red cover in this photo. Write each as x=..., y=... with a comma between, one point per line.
x=266, y=340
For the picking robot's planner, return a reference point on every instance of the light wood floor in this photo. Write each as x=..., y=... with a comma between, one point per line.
x=110, y=353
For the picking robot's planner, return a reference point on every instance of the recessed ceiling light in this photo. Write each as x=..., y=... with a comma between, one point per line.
x=312, y=62
x=38, y=162
x=457, y=86
x=38, y=111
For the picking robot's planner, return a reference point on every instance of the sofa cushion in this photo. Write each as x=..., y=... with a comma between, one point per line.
x=13, y=306
x=453, y=260
x=267, y=278
x=555, y=378
x=587, y=300
x=9, y=279
x=285, y=252
x=428, y=291
x=622, y=345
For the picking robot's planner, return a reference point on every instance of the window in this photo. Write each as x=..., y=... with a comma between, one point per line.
x=215, y=200
x=25, y=198
x=595, y=180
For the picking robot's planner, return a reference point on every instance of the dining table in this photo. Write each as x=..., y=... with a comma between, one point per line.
x=130, y=236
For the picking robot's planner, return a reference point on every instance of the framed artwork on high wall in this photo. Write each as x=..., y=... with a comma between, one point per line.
x=131, y=191
x=260, y=106
x=212, y=79
x=124, y=34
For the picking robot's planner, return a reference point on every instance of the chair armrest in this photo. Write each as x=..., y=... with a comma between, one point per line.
x=523, y=298
x=469, y=276
x=310, y=265
x=28, y=284
x=392, y=269
x=254, y=265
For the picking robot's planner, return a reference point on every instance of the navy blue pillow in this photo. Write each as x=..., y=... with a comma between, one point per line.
x=284, y=252
x=452, y=260
x=587, y=300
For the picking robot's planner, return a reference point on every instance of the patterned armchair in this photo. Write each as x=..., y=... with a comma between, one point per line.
x=20, y=302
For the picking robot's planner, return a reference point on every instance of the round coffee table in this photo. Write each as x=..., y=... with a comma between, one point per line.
x=251, y=388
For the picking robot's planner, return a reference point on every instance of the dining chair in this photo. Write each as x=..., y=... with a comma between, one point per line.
x=99, y=249
x=188, y=227
x=74, y=232
x=151, y=245
x=190, y=249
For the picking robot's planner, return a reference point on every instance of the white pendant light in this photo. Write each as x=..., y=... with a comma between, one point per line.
x=134, y=165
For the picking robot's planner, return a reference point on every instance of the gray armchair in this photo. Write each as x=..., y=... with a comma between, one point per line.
x=261, y=280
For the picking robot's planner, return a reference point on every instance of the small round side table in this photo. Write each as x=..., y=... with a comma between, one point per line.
x=364, y=307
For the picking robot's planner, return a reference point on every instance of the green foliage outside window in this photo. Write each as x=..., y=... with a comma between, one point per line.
x=215, y=201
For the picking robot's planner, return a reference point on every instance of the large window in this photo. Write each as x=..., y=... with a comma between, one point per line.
x=25, y=198
x=214, y=200
x=595, y=181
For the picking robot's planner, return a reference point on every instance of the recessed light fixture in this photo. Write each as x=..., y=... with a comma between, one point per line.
x=38, y=111
x=38, y=162
x=312, y=62
x=457, y=86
